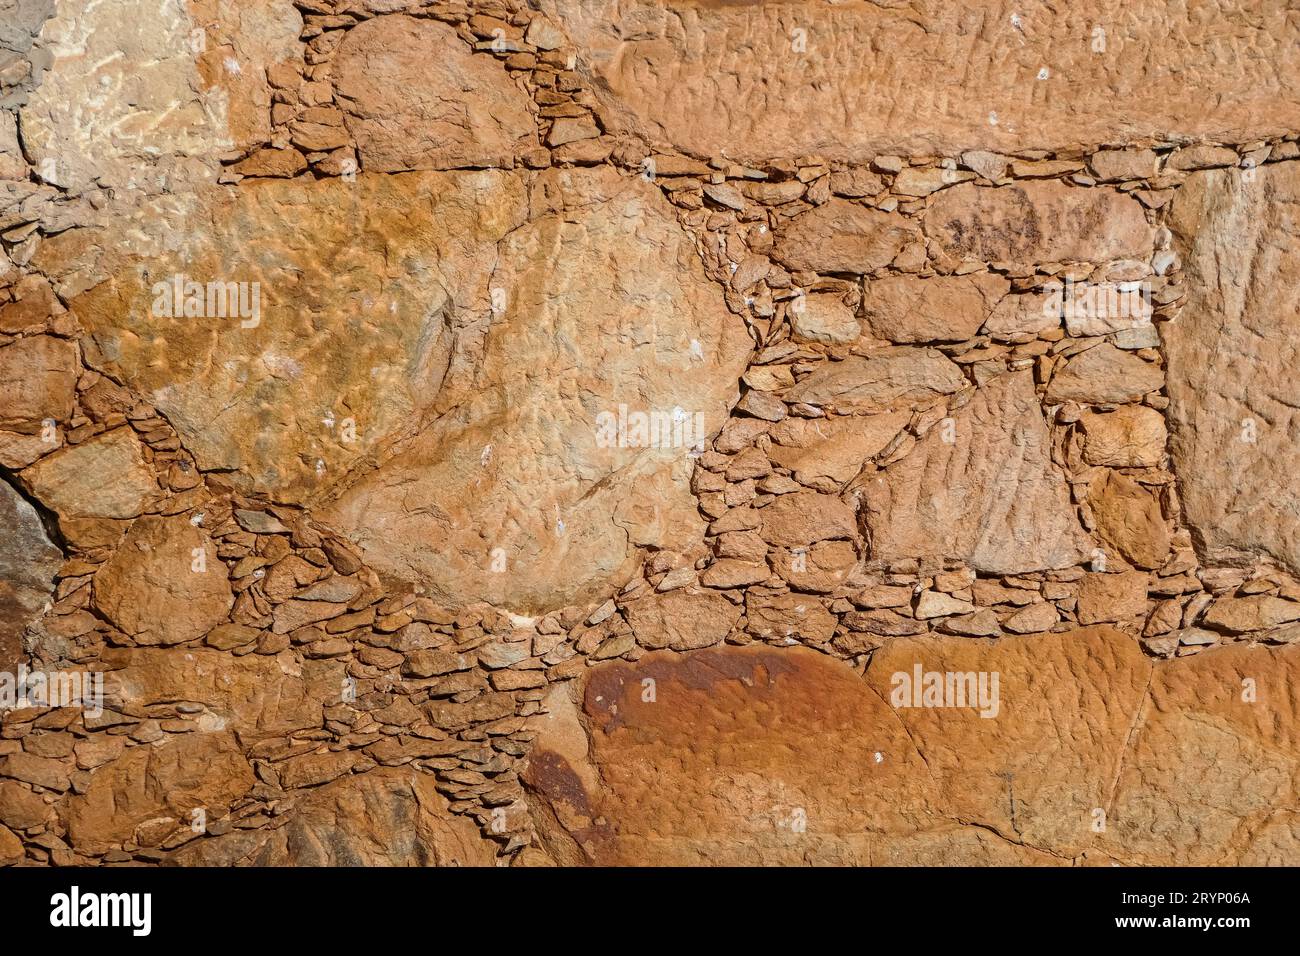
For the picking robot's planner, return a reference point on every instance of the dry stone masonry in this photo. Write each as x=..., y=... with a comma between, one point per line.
x=591, y=432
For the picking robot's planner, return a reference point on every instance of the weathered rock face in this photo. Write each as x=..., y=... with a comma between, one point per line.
x=759, y=739
x=159, y=788
x=38, y=376
x=854, y=81
x=28, y=563
x=390, y=817
x=843, y=237
x=546, y=471
x=1055, y=757
x=1232, y=410
x=357, y=298
x=105, y=477
x=254, y=694
x=156, y=88
x=1208, y=775
x=1037, y=222
x=405, y=116
x=667, y=432
x=166, y=585
x=984, y=491
x=880, y=380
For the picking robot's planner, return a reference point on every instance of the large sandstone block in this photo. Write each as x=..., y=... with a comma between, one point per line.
x=1035, y=771
x=982, y=490
x=534, y=497
x=1210, y=776
x=736, y=749
x=135, y=85
x=38, y=378
x=1232, y=356
x=367, y=294
x=881, y=380
x=404, y=115
x=841, y=236
x=106, y=477
x=759, y=81
x=1043, y=749
x=1037, y=221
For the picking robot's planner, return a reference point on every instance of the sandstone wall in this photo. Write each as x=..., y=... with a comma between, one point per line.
x=628, y=406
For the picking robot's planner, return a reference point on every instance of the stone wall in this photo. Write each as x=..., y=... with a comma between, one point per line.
x=660, y=432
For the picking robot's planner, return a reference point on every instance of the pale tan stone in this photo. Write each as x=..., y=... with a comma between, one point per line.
x=1231, y=353
x=1112, y=596
x=106, y=477
x=1129, y=519
x=990, y=497
x=1104, y=373
x=1129, y=437
x=370, y=294
x=880, y=380
x=682, y=619
x=1037, y=221
x=835, y=448
x=841, y=236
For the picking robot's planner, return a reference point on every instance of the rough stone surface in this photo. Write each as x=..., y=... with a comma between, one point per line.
x=158, y=96
x=1104, y=374
x=106, y=477
x=843, y=237
x=608, y=431
x=407, y=116
x=931, y=84
x=402, y=278
x=990, y=497
x=1129, y=437
x=1129, y=519
x=1232, y=414
x=756, y=739
x=612, y=327
x=880, y=380
x=390, y=817
x=196, y=771
x=165, y=585
x=28, y=563
x=37, y=378
x=906, y=310
x=1037, y=221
